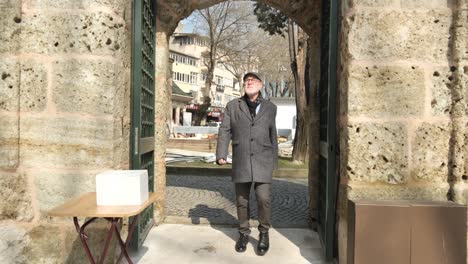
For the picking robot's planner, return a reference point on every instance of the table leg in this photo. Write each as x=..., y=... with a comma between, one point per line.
x=83, y=237
x=124, y=247
x=112, y=229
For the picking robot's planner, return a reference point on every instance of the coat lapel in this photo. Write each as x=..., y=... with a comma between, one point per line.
x=263, y=109
x=244, y=108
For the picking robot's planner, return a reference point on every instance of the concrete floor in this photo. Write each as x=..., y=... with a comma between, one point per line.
x=205, y=244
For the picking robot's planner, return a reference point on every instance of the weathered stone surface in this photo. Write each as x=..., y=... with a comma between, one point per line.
x=97, y=235
x=66, y=143
x=442, y=81
x=116, y=5
x=9, y=133
x=50, y=130
x=430, y=152
x=9, y=83
x=70, y=32
x=384, y=91
x=10, y=3
x=84, y=86
x=428, y=4
x=12, y=243
x=33, y=87
x=422, y=35
x=399, y=192
x=55, y=188
x=44, y=245
x=10, y=23
x=377, y=153
x=15, y=199
x=372, y=3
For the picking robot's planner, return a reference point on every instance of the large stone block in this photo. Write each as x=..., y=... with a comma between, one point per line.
x=66, y=143
x=33, y=87
x=116, y=5
x=428, y=4
x=10, y=23
x=372, y=3
x=15, y=198
x=75, y=132
x=442, y=81
x=393, y=35
x=84, y=86
x=45, y=245
x=96, y=33
x=430, y=152
x=9, y=83
x=9, y=135
x=385, y=91
x=377, y=153
x=54, y=188
x=12, y=244
x=437, y=192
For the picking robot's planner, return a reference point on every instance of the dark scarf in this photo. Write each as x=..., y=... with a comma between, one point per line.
x=253, y=105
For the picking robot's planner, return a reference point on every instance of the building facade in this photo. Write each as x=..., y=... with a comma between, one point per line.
x=189, y=73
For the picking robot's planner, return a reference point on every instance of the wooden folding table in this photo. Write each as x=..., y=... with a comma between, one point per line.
x=85, y=206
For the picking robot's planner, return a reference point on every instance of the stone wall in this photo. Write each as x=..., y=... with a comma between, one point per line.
x=64, y=114
x=402, y=115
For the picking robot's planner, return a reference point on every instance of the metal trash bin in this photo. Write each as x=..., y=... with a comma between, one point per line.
x=404, y=232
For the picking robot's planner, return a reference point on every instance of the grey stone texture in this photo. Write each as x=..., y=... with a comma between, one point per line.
x=55, y=188
x=33, y=88
x=393, y=35
x=44, y=245
x=386, y=91
x=12, y=244
x=377, y=153
x=9, y=135
x=430, y=152
x=61, y=143
x=442, y=81
x=84, y=86
x=9, y=83
x=371, y=3
x=15, y=197
x=95, y=33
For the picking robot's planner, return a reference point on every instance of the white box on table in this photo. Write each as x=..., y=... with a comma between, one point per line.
x=122, y=187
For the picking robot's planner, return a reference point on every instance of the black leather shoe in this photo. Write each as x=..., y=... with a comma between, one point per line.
x=241, y=244
x=263, y=243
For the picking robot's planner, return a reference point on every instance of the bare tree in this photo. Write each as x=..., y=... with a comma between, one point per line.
x=223, y=24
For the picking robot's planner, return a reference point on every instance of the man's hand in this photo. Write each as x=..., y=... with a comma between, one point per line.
x=221, y=161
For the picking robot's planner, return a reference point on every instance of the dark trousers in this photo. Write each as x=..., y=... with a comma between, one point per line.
x=263, y=195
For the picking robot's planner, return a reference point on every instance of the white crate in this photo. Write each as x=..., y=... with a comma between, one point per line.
x=122, y=187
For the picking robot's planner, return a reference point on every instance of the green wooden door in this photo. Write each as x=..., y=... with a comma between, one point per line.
x=142, y=104
x=328, y=179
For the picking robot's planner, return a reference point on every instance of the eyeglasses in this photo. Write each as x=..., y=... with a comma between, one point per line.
x=252, y=80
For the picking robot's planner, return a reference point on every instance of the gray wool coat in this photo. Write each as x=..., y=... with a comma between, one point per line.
x=254, y=141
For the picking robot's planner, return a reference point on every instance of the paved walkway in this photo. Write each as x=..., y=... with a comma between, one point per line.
x=204, y=244
x=210, y=199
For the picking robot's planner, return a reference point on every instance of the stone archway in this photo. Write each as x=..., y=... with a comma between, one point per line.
x=169, y=13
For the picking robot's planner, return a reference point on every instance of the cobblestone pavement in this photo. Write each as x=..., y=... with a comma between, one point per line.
x=212, y=198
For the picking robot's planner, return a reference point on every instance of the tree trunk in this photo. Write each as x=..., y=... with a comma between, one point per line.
x=202, y=110
x=301, y=138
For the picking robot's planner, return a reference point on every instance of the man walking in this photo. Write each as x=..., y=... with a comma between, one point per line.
x=249, y=122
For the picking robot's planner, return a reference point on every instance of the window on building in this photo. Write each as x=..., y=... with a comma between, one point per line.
x=193, y=77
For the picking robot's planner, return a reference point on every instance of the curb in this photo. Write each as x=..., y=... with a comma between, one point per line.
x=222, y=172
